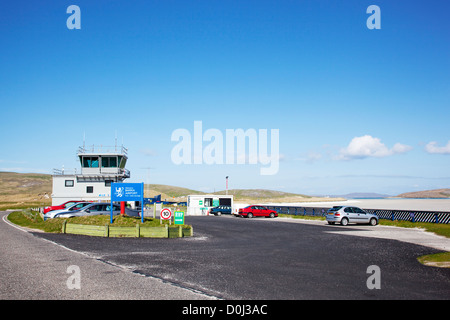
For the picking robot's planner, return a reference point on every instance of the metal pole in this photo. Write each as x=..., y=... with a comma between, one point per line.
x=111, y=210
x=142, y=203
x=122, y=208
x=226, y=185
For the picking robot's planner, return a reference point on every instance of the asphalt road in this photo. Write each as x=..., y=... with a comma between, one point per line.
x=229, y=258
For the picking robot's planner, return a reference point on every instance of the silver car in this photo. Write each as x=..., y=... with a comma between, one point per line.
x=347, y=214
x=73, y=207
x=93, y=209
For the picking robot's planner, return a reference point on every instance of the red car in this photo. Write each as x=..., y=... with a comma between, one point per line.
x=61, y=206
x=257, y=211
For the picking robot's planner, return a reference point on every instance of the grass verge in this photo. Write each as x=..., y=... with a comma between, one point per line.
x=441, y=229
x=441, y=260
x=31, y=219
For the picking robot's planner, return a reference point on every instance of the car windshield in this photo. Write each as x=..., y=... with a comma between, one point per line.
x=67, y=205
x=334, y=209
x=79, y=206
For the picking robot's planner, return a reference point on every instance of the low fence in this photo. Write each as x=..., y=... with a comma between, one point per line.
x=406, y=215
x=136, y=232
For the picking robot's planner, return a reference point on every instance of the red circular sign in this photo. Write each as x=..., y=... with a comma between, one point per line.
x=166, y=214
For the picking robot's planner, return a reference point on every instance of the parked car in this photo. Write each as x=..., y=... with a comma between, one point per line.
x=257, y=211
x=93, y=209
x=219, y=210
x=346, y=214
x=73, y=207
x=65, y=205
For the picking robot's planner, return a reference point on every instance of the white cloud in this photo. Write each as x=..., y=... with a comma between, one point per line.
x=368, y=146
x=433, y=148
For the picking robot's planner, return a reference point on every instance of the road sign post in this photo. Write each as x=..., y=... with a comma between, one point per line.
x=166, y=214
x=178, y=217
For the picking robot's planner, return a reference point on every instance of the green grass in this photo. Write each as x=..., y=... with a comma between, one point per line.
x=31, y=219
x=437, y=260
x=441, y=229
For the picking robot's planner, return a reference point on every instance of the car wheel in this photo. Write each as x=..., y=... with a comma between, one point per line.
x=250, y=215
x=344, y=221
x=271, y=215
x=373, y=222
x=219, y=213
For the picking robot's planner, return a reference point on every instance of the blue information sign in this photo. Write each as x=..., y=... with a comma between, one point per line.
x=127, y=192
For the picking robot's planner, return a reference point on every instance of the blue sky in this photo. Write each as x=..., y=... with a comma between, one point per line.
x=356, y=109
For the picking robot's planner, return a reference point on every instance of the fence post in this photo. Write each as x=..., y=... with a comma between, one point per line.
x=436, y=218
x=64, y=226
x=304, y=211
x=295, y=210
x=180, y=232
x=393, y=216
x=138, y=230
x=314, y=212
x=107, y=230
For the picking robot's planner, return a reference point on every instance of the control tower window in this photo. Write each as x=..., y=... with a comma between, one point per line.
x=109, y=162
x=90, y=162
x=122, y=162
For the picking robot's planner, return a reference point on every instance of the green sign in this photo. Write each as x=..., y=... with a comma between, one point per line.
x=200, y=202
x=178, y=217
x=215, y=202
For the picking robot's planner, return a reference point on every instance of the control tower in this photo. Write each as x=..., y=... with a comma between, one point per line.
x=100, y=166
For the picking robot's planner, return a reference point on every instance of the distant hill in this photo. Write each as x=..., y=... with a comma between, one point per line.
x=436, y=193
x=22, y=189
x=12, y=183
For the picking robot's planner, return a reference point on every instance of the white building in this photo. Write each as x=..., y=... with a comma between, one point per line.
x=200, y=204
x=100, y=166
